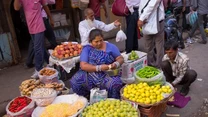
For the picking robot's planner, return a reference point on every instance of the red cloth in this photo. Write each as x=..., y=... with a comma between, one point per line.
x=95, y=6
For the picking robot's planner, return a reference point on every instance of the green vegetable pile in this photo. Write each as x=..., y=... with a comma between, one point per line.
x=147, y=72
x=133, y=56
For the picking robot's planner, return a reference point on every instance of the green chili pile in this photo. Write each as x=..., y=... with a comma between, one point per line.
x=147, y=72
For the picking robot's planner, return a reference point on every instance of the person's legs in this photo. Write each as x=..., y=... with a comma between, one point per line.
x=49, y=34
x=167, y=70
x=149, y=49
x=184, y=24
x=46, y=56
x=201, y=28
x=159, y=43
x=113, y=86
x=205, y=21
x=31, y=54
x=135, y=38
x=38, y=40
x=131, y=32
x=80, y=84
x=188, y=79
x=193, y=29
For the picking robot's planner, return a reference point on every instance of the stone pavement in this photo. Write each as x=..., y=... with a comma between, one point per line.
x=11, y=77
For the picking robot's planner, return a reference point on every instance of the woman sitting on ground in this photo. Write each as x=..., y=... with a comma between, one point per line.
x=95, y=59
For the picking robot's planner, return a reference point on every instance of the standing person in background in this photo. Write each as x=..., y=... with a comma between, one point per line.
x=90, y=23
x=49, y=34
x=154, y=40
x=36, y=27
x=186, y=10
x=179, y=5
x=201, y=7
x=95, y=6
x=131, y=22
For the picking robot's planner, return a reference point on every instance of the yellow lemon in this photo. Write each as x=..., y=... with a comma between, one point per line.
x=151, y=97
x=168, y=87
x=169, y=91
x=142, y=90
x=165, y=90
x=143, y=95
x=157, y=92
x=163, y=87
x=153, y=101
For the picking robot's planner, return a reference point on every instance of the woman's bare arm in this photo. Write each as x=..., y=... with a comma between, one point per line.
x=92, y=68
x=120, y=60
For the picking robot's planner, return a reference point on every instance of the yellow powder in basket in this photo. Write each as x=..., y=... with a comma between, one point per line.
x=62, y=109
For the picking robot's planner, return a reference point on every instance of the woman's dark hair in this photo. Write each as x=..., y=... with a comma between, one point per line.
x=94, y=33
x=171, y=44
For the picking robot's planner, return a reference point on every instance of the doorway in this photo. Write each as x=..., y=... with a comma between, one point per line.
x=21, y=30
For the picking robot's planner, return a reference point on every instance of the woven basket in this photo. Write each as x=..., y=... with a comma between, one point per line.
x=138, y=110
x=165, y=100
x=153, y=111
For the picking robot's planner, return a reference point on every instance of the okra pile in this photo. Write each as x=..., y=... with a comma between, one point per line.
x=147, y=72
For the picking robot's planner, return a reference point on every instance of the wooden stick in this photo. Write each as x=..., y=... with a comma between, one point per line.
x=172, y=115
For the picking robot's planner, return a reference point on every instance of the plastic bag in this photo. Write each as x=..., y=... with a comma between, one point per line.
x=25, y=112
x=120, y=36
x=43, y=100
x=49, y=79
x=191, y=18
x=96, y=95
x=128, y=80
x=158, y=79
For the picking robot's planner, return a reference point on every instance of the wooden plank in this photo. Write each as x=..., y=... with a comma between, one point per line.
x=15, y=52
x=3, y=21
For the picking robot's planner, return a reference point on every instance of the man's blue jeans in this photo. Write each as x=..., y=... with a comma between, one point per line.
x=39, y=48
x=49, y=34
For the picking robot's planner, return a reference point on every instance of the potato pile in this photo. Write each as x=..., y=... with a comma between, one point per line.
x=27, y=86
x=47, y=72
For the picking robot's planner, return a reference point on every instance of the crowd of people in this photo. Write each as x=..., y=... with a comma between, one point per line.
x=99, y=56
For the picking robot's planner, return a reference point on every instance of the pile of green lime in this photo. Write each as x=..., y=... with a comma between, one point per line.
x=147, y=72
x=133, y=56
x=110, y=108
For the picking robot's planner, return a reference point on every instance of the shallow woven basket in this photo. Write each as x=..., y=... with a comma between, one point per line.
x=146, y=105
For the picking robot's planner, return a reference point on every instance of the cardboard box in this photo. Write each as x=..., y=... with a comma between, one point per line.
x=129, y=67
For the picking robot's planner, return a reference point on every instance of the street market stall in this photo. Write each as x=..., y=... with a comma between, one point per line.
x=146, y=95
